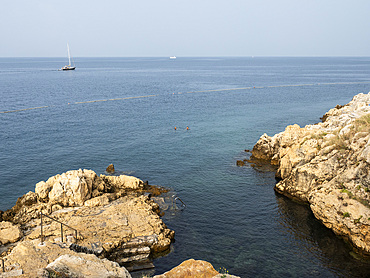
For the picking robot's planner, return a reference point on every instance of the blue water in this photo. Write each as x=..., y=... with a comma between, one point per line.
x=124, y=110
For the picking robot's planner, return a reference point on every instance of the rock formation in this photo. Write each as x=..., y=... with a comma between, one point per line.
x=32, y=259
x=9, y=233
x=84, y=265
x=327, y=165
x=194, y=268
x=112, y=217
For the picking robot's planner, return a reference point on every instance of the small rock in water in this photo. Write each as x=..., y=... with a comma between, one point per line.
x=110, y=169
x=240, y=163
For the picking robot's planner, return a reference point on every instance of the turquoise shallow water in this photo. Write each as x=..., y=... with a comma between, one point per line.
x=124, y=110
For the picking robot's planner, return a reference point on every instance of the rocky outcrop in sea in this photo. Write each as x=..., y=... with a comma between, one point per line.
x=195, y=268
x=108, y=217
x=327, y=165
x=117, y=223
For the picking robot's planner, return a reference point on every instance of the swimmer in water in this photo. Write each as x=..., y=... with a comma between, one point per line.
x=175, y=128
x=187, y=128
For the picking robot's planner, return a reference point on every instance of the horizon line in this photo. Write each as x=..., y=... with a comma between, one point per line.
x=186, y=56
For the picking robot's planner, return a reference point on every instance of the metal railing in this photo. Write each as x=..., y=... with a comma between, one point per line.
x=61, y=228
x=178, y=198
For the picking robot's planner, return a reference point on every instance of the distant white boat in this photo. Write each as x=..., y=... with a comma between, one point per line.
x=173, y=57
x=69, y=66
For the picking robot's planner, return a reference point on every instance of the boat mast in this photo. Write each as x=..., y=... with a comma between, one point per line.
x=69, y=56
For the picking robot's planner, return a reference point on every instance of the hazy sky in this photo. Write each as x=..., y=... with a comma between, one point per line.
x=146, y=28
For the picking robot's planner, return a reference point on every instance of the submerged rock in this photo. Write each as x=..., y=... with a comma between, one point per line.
x=240, y=163
x=328, y=166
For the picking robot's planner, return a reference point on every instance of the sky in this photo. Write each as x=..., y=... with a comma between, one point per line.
x=184, y=28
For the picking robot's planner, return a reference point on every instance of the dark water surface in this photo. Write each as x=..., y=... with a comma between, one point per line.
x=124, y=110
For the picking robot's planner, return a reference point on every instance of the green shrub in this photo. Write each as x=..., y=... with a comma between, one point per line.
x=349, y=193
x=357, y=220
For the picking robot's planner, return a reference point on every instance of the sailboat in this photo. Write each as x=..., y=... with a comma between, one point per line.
x=69, y=66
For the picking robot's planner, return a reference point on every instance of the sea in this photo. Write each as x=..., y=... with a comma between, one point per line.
x=124, y=111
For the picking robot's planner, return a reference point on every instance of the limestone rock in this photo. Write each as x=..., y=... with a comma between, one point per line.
x=23, y=202
x=75, y=187
x=42, y=190
x=124, y=181
x=84, y=265
x=194, y=268
x=110, y=226
x=9, y=232
x=327, y=165
x=65, y=261
x=344, y=215
x=72, y=188
x=108, y=212
x=41, y=256
x=97, y=201
x=264, y=148
x=15, y=273
x=28, y=199
x=189, y=269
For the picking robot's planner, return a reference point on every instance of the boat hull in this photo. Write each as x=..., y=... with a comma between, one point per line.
x=68, y=68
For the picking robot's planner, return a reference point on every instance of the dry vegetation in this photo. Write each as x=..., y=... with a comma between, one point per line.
x=362, y=124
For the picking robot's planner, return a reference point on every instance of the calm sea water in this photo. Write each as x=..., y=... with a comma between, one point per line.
x=124, y=110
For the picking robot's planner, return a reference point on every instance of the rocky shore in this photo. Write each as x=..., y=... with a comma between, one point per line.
x=110, y=225
x=105, y=216
x=327, y=165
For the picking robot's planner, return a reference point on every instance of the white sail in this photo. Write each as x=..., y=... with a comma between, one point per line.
x=69, y=66
x=69, y=56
